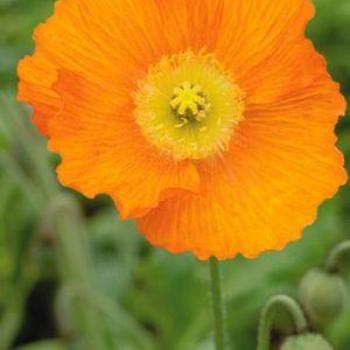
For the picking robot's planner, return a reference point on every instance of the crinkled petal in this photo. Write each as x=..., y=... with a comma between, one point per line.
x=104, y=153
x=282, y=164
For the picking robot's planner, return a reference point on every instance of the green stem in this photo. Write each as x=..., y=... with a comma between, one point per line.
x=217, y=303
x=273, y=312
x=66, y=220
x=336, y=255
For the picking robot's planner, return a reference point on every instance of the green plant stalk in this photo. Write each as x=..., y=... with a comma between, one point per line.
x=217, y=304
x=27, y=140
x=335, y=256
x=89, y=306
x=67, y=221
x=273, y=312
x=13, y=314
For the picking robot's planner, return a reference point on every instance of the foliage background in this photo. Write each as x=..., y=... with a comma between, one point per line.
x=72, y=276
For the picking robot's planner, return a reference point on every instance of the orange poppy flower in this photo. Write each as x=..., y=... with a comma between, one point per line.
x=211, y=122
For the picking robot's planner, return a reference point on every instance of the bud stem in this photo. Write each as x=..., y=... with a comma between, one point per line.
x=270, y=314
x=217, y=304
x=335, y=256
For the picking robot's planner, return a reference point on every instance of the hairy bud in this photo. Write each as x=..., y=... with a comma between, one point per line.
x=323, y=295
x=307, y=341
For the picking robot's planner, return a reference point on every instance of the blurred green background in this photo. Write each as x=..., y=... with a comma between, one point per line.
x=74, y=277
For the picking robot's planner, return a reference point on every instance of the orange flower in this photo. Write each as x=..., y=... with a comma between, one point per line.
x=211, y=122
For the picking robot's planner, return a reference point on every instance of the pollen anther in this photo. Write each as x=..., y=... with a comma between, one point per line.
x=188, y=106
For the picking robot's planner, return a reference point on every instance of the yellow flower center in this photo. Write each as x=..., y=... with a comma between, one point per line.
x=188, y=107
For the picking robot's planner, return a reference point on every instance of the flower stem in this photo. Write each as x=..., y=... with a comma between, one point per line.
x=217, y=303
x=273, y=313
x=336, y=254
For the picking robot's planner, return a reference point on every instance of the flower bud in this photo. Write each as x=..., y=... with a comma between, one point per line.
x=322, y=295
x=307, y=341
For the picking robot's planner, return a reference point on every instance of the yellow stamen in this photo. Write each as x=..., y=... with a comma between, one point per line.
x=188, y=107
